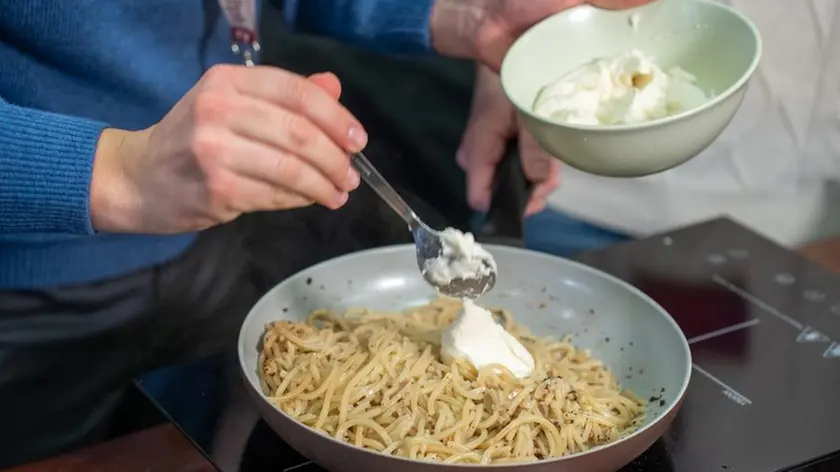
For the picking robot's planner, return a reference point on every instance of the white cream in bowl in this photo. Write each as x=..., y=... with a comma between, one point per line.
x=623, y=89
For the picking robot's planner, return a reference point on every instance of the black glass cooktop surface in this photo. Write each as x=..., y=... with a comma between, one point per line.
x=764, y=329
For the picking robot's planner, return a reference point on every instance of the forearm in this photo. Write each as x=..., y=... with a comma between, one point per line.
x=390, y=26
x=46, y=163
x=454, y=26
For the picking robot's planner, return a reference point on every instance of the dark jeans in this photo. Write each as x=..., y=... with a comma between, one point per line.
x=562, y=235
x=67, y=355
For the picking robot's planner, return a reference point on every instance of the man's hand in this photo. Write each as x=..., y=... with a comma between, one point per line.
x=242, y=140
x=491, y=124
x=485, y=29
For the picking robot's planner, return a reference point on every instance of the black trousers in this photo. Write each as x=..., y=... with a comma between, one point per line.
x=68, y=355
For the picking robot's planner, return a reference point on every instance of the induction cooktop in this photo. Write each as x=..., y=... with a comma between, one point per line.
x=764, y=328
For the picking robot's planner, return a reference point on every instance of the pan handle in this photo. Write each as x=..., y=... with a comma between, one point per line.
x=511, y=193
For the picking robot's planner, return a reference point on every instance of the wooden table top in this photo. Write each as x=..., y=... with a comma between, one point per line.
x=825, y=252
x=159, y=449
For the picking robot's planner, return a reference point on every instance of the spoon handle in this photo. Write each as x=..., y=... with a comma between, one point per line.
x=374, y=179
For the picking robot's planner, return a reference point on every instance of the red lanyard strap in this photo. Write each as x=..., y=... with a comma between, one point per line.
x=242, y=16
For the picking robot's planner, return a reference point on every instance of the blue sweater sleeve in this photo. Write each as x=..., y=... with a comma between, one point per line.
x=46, y=162
x=385, y=26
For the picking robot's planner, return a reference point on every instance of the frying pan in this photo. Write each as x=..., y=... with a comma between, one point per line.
x=622, y=326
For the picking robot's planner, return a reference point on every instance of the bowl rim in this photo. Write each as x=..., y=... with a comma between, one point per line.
x=720, y=97
x=401, y=248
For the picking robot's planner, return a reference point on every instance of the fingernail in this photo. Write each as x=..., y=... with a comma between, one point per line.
x=352, y=180
x=340, y=199
x=358, y=139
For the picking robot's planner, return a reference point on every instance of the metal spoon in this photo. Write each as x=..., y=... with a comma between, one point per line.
x=426, y=240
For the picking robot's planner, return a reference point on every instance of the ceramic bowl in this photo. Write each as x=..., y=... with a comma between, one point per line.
x=715, y=43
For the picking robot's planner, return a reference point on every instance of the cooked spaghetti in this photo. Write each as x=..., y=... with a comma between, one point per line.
x=375, y=380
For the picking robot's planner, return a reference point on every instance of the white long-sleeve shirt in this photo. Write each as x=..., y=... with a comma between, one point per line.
x=776, y=168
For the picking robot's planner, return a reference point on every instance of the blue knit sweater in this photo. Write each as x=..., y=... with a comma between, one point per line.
x=70, y=69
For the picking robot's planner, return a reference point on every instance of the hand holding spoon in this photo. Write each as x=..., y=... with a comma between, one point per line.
x=450, y=261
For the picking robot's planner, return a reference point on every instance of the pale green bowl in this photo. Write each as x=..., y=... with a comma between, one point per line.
x=715, y=43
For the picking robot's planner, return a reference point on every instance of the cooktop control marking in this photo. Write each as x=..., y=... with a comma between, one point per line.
x=810, y=335
x=296, y=467
x=807, y=334
x=716, y=259
x=757, y=301
x=784, y=278
x=727, y=391
x=722, y=331
x=833, y=351
x=814, y=295
x=739, y=254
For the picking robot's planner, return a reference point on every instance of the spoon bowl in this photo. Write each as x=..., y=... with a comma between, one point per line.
x=428, y=243
x=429, y=247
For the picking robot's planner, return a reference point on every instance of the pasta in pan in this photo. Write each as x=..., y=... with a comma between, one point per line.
x=375, y=380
